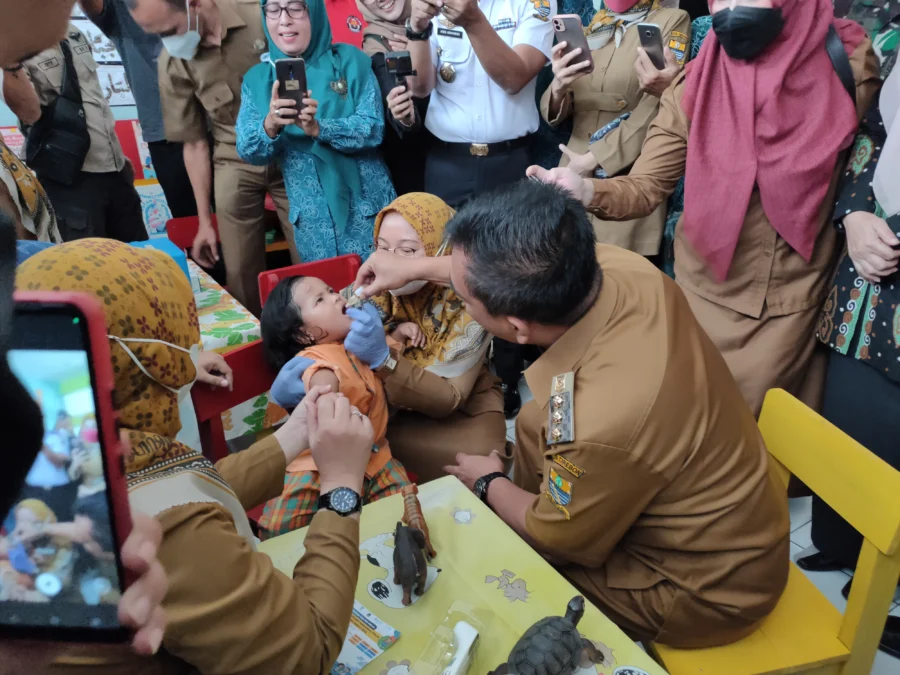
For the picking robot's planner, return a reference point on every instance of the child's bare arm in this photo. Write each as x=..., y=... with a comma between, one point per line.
x=325, y=377
x=409, y=334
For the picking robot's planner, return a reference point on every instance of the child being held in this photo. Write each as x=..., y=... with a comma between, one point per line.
x=304, y=316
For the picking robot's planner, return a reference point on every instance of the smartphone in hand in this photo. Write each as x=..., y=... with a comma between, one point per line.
x=291, y=75
x=651, y=41
x=568, y=29
x=63, y=536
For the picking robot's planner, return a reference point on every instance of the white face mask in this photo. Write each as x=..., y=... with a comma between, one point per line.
x=410, y=288
x=184, y=46
x=194, y=352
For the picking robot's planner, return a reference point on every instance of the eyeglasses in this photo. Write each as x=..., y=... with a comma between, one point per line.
x=295, y=10
x=405, y=251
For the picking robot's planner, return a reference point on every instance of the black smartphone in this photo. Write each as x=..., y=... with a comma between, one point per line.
x=651, y=41
x=291, y=75
x=61, y=575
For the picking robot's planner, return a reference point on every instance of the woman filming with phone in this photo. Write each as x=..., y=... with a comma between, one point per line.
x=608, y=77
x=327, y=142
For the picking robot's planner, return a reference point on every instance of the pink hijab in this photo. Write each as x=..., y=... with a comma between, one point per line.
x=777, y=122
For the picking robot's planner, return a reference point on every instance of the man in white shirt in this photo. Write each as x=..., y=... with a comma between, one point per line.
x=479, y=62
x=48, y=479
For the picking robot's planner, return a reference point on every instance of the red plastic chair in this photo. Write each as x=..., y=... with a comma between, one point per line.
x=181, y=231
x=337, y=272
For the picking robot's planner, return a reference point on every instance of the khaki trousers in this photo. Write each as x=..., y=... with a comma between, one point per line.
x=240, y=210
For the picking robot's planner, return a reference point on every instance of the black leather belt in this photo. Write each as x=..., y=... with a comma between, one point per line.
x=484, y=149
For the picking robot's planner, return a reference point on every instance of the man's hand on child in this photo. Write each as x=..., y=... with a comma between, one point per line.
x=340, y=438
x=366, y=339
x=293, y=436
x=288, y=389
x=409, y=334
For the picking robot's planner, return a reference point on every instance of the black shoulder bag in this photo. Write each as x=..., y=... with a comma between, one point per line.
x=59, y=141
x=840, y=61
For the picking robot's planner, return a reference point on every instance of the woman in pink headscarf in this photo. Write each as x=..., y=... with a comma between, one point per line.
x=758, y=124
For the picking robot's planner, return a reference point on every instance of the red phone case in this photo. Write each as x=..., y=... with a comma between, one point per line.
x=105, y=414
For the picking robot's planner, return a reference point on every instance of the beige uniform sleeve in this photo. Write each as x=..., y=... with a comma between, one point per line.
x=184, y=118
x=603, y=504
x=621, y=147
x=566, y=107
x=414, y=388
x=657, y=170
x=257, y=474
x=230, y=611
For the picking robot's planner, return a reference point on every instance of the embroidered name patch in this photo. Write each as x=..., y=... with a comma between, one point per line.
x=447, y=32
x=49, y=63
x=81, y=49
x=576, y=471
x=678, y=44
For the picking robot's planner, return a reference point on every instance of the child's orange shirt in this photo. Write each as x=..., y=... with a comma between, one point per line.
x=364, y=390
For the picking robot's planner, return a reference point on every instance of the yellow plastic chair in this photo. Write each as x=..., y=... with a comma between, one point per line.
x=805, y=633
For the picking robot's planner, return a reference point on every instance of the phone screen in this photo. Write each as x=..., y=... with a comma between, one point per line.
x=59, y=564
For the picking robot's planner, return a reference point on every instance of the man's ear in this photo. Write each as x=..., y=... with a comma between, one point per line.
x=523, y=329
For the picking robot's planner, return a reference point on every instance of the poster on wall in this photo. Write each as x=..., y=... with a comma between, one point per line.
x=110, y=69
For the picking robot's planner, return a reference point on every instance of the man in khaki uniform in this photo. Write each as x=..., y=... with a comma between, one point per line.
x=203, y=91
x=101, y=200
x=639, y=470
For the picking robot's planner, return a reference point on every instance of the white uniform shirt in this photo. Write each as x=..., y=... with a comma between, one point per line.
x=44, y=473
x=473, y=108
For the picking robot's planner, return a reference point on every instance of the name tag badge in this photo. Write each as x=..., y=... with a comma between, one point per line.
x=82, y=49
x=49, y=63
x=448, y=32
x=504, y=24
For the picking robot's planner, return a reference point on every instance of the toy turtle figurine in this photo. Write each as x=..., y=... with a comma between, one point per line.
x=552, y=646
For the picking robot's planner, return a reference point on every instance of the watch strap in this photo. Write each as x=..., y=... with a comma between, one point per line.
x=485, y=482
x=324, y=502
x=418, y=36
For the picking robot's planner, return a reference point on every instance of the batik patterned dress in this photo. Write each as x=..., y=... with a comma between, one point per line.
x=862, y=319
x=359, y=135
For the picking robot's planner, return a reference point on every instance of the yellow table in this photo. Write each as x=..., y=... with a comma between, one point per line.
x=481, y=562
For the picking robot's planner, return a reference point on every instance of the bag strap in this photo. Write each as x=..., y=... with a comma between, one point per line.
x=70, y=87
x=841, y=62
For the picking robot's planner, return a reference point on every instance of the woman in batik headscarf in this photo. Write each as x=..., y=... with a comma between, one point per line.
x=444, y=397
x=612, y=95
x=228, y=609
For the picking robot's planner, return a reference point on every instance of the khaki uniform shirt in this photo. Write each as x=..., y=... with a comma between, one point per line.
x=659, y=472
x=209, y=85
x=600, y=97
x=46, y=73
x=765, y=271
x=229, y=610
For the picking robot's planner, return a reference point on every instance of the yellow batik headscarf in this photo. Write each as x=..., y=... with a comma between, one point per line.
x=28, y=194
x=455, y=342
x=607, y=24
x=151, y=319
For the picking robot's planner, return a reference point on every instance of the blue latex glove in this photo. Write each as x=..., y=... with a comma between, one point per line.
x=366, y=339
x=18, y=558
x=287, y=389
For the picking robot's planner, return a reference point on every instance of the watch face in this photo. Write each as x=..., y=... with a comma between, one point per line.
x=478, y=488
x=344, y=500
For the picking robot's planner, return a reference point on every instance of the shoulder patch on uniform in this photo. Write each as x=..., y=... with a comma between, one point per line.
x=81, y=49
x=559, y=507
x=576, y=471
x=541, y=9
x=678, y=45
x=559, y=488
x=561, y=418
x=49, y=63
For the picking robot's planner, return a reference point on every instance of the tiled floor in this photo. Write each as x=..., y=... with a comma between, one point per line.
x=830, y=583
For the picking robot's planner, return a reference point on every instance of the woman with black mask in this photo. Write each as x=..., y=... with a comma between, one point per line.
x=757, y=124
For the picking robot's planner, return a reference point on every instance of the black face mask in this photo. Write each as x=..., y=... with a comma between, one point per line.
x=744, y=32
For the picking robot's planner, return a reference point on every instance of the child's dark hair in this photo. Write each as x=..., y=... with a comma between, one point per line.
x=281, y=324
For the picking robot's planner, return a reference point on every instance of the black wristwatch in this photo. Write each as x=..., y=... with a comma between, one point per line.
x=418, y=37
x=343, y=501
x=481, y=485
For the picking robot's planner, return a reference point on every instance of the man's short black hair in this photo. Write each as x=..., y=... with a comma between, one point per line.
x=530, y=251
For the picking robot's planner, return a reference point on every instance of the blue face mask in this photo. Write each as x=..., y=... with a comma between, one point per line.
x=184, y=46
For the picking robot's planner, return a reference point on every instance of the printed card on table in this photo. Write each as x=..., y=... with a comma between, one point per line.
x=366, y=640
x=154, y=207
